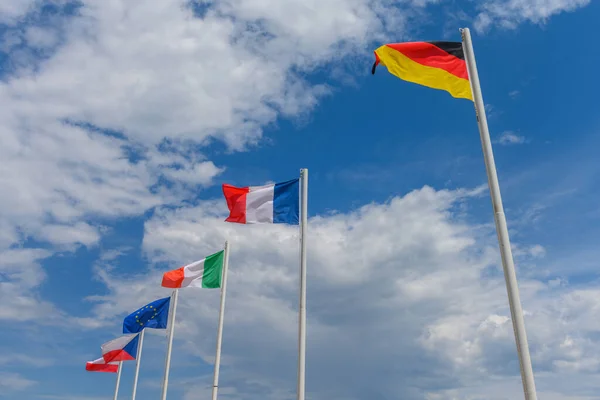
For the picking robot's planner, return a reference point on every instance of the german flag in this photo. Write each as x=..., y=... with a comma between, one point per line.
x=438, y=65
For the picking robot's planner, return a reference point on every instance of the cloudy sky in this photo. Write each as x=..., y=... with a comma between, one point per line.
x=120, y=119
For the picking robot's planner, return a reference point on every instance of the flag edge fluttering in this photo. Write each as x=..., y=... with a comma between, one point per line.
x=436, y=64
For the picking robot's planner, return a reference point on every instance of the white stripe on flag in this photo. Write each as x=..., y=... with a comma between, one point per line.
x=191, y=273
x=259, y=204
x=118, y=343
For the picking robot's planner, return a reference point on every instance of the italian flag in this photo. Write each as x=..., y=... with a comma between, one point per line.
x=205, y=273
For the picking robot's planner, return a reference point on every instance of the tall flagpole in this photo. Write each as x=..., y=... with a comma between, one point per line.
x=169, y=344
x=302, y=316
x=220, y=326
x=118, y=380
x=501, y=228
x=138, y=359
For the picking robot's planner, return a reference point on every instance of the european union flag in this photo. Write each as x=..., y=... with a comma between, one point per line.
x=154, y=315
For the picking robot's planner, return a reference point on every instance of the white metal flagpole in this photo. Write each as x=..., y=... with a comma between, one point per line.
x=501, y=227
x=138, y=359
x=169, y=344
x=220, y=326
x=118, y=380
x=302, y=308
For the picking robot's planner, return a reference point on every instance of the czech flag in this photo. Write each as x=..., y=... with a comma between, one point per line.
x=100, y=365
x=438, y=65
x=123, y=348
x=277, y=203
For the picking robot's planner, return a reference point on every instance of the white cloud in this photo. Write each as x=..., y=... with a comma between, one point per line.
x=20, y=275
x=125, y=98
x=14, y=382
x=58, y=174
x=369, y=271
x=8, y=358
x=499, y=388
x=148, y=72
x=11, y=10
x=528, y=252
x=41, y=38
x=510, y=13
x=128, y=95
x=537, y=250
x=396, y=296
x=207, y=77
x=79, y=233
x=199, y=174
x=509, y=137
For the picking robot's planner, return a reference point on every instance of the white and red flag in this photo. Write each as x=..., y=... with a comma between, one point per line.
x=123, y=348
x=100, y=365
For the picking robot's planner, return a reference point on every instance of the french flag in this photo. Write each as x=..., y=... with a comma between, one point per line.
x=123, y=348
x=277, y=203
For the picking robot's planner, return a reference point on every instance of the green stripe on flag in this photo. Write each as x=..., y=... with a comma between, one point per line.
x=213, y=267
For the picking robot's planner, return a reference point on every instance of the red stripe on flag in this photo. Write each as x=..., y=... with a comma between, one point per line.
x=117, y=355
x=236, y=202
x=93, y=367
x=432, y=56
x=173, y=279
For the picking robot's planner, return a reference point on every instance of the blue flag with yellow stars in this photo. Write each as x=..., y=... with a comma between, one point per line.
x=153, y=315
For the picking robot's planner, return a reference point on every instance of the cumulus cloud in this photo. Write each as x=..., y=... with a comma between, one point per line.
x=107, y=105
x=130, y=92
x=107, y=111
x=20, y=275
x=510, y=13
x=12, y=10
x=395, y=296
x=370, y=272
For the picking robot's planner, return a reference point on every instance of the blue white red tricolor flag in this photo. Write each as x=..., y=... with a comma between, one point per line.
x=277, y=203
x=123, y=348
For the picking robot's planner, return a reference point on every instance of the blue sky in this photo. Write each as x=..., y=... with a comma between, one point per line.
x=406, y=293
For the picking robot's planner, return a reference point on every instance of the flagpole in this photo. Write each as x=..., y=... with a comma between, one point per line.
x=118, y=380
x=169, y=345
x=138, y=359
x=501, y=227
x=302, y=308
x=220, y=326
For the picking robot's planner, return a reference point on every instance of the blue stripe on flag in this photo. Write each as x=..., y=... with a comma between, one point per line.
x=286, y=202
x=132, y=346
